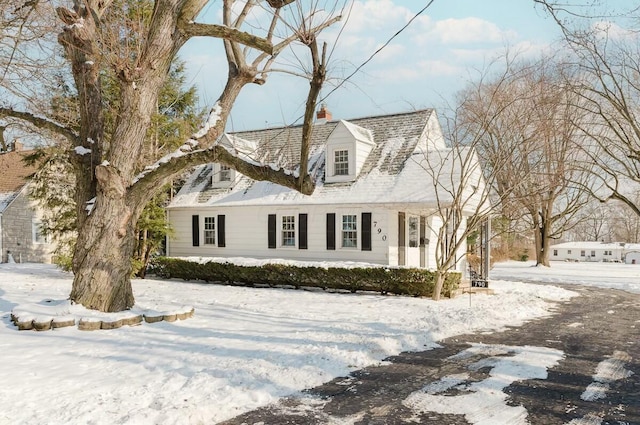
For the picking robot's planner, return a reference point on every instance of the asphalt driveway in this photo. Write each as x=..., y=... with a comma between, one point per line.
x=591, y=346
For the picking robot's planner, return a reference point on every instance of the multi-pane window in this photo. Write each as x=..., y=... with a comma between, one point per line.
x=288, y=230
x=593, y=253
x=349, y=231
x=341, y=162
x=555, y=252
x=568, y=251
x=582, y=253
x=413, y=232
x=38, y=235
x=225, y=173
x=209, y=230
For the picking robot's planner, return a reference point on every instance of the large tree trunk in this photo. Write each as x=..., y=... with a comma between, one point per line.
x=102, y=257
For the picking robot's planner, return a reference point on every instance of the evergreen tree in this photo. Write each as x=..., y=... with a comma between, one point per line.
x=176, y=118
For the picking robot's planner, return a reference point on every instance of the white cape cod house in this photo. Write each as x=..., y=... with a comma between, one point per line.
x=374, y=201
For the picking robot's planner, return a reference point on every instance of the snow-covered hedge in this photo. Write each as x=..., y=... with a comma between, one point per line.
x=401, y=281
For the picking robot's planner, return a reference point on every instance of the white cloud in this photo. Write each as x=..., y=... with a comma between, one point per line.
x=606, y=29
x=466, y=30
x=419, y=70
x=376, y=14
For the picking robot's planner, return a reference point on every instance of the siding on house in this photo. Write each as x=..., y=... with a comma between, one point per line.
x=18, y=213
x=247, y=233
x=593, y=251
x=18, y=221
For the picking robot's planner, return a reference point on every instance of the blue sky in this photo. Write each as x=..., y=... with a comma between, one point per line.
x=423, y=67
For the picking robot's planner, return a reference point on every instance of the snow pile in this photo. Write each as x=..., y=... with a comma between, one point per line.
x=484, y=402
x=243, y=348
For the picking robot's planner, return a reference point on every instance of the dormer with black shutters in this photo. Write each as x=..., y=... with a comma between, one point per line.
x=348, y=147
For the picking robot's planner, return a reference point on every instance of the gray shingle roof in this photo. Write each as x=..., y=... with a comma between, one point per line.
x=396, y=137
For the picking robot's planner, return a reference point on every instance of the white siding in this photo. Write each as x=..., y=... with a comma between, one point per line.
x=632, y=257
x=558, y=253
x=434, y=223
x=17, y=232
x=246, y=234
x=343, y=139
x=432, y=137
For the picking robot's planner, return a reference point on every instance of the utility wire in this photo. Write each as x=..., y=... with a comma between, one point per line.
x=377, y=51
x=362, y=65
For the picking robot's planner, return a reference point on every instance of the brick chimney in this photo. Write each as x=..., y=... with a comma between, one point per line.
x=323, y=115
x=18, y=145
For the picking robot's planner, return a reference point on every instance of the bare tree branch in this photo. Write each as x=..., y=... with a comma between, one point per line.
x=42, y=123
x=194, y=29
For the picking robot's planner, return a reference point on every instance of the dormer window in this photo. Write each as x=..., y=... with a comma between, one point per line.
x=348, y=147
x=222, y=176
x=341, y=163
x=225, y=173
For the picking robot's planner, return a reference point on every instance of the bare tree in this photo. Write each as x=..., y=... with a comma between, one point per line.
x=111, y=189
x=608, y=64
x=593, y=223
x=463, y=184
x=534, y=142
x=462, y=205
x=626, y=223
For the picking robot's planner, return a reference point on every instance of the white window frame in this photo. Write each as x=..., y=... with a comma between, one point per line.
x=37, y=237
x=348, y=234
x=209, y=231
x=288, y=231
x=224, y=175
x=340, y=161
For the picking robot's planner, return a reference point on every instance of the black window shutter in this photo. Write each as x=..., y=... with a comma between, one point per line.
x=302, y=232
x=331, y=231
x=221, y=240
x=366, y=232
x=195, y=230
x=271, y=231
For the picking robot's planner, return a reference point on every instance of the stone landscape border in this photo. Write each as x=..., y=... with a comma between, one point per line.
x=25, y=320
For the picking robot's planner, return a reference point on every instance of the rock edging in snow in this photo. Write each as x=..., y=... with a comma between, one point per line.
x=53, y=314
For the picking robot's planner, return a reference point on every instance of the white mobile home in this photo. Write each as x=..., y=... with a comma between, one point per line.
x=374, y=202
x=618, y=252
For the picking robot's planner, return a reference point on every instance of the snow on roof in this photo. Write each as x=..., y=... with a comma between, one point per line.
x=589, y=245
x=390, y=173
x=14, y=174
x=358, y=132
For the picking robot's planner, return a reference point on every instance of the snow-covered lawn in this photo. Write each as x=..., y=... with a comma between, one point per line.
x=603, y=275
x=243, y=348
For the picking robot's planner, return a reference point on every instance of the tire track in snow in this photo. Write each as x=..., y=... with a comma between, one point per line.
x=608, y=371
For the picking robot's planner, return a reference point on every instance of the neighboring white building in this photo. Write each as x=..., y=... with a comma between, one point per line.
x=20, y=218
x=596, y=251
x=374, y=202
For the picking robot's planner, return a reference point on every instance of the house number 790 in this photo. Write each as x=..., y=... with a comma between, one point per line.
x=379, y=230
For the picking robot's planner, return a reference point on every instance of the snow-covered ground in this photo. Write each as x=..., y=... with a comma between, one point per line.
x=243, y=348
x=603, y=275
